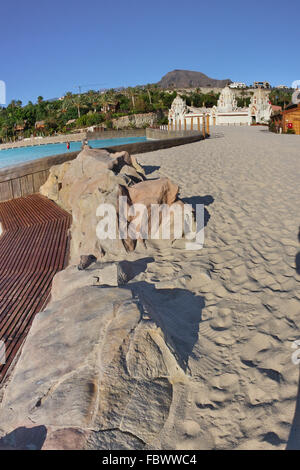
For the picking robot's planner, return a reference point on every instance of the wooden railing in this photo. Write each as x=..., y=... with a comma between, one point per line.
x=27, y=178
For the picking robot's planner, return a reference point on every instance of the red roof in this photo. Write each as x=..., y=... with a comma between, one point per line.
x=276, y=108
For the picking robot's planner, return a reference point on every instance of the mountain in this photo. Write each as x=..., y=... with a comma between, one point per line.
x=189, y=79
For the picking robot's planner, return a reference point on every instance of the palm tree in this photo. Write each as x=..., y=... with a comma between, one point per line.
x=3, y=131
x=148, y=88
x=77, y=101
x=108, y=100
x=91, y=98
x=98, y=100
x=132, y=95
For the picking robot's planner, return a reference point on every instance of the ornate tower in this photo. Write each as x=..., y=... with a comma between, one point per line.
x=227, y=102
x=260, y=108
x=178, y=109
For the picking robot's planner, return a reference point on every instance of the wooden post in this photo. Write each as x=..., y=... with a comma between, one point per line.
x=207, y=123
x=203, y=126
x=185, y=124
x=168, y=126
x=171, y=125
x=198, y=124
x=180, y=124
x=192, y=123
x=175, y=124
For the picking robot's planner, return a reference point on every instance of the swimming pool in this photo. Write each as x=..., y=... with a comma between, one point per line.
x=10, y=157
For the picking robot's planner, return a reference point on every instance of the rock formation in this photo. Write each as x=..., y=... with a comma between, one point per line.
x=101, y=363
x=98, y=370
x=98, y=177
x=137, y=120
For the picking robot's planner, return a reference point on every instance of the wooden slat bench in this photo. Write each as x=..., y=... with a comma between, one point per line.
x=33, y=248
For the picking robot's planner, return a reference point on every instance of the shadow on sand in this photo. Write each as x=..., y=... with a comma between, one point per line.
x=297, y=259
x=134, y=268
x=177, y=312
x=150, y=169
x=294, y=437
x=205, y=200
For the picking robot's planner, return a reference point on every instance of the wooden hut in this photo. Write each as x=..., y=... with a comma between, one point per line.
x=291, y=118
x=110, y=107
x=287, y=120
x=20, y=126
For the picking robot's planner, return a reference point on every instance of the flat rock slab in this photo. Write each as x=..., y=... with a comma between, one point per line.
x=95, y=371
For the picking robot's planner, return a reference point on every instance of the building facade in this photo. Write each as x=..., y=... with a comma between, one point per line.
x=260, y=108
x=238, y=85
x=225, y=113
x=291, y=119
x=261, y=85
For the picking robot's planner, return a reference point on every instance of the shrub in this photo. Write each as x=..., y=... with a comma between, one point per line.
x=163, y=121
x=272, y=127
x=89, y=120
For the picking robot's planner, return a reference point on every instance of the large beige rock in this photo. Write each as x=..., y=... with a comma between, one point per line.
x=92, y=168
x=160, y=191
x=53, y=184
x=80, y=186
x=96, y=371
x=97, y=274
x=97, y=177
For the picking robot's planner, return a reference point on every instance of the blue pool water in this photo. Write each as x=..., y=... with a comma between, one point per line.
x=25, y=154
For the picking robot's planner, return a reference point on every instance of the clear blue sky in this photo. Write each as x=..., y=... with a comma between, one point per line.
x=49, y=47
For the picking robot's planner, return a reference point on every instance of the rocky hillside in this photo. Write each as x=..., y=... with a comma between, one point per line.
x=137, y=120
x=190, y=79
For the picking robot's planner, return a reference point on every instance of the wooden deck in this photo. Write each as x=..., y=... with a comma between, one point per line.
x=33, y=248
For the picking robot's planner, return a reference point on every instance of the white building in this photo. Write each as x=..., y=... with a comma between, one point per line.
x=238, y=85
x=225, y=113
x=261, y=85
x=260, y=108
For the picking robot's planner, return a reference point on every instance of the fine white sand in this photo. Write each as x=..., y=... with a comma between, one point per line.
x=241, y=385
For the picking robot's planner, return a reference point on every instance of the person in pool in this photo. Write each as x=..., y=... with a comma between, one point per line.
x=68, y=145
x=84, y=143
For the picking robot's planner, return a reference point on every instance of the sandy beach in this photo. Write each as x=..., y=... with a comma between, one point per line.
x=241, y=289
x=197, y=350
